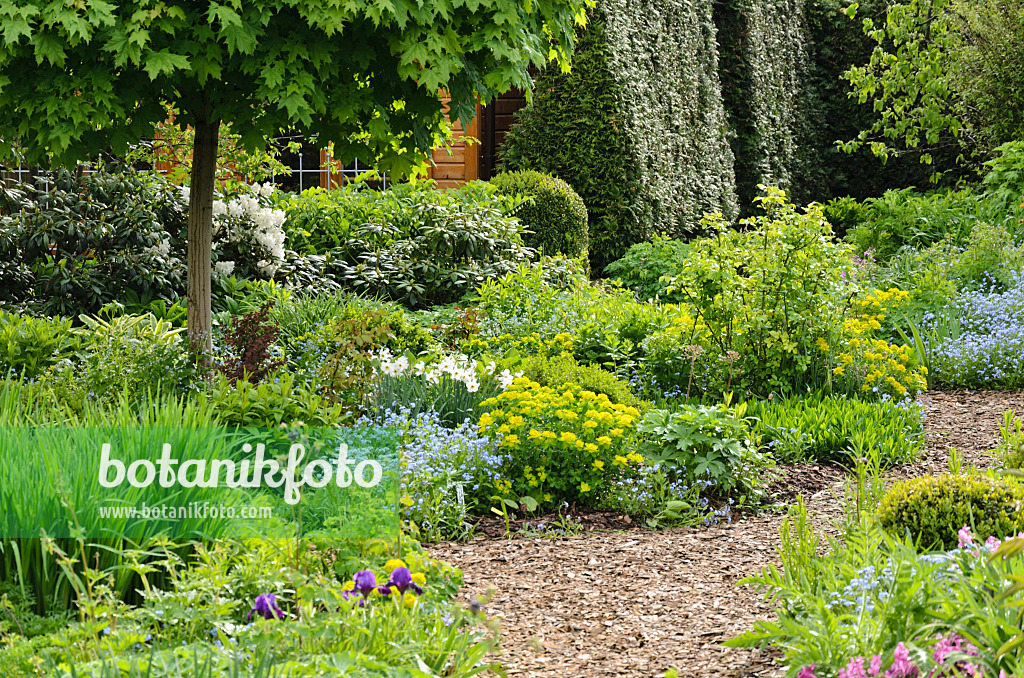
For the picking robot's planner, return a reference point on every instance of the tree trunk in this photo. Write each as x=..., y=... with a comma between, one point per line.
x=200, y=238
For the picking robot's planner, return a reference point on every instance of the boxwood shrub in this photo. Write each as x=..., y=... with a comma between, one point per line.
x=555, y=217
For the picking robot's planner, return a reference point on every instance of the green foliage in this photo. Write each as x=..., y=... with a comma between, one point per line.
x=553, y=214
x=644, y=265
x=439, y=252
x=636, y=128
x=904, y=218
x=563, y=372
x=908, y=78
x=708, y=446
x=276, y=401
x=1011, y=445
x=820, y=428
x=561, y=446
x=128, y=356
x=28, y=346
x=266, y=68
x=763, y=297
x=987, y=70
x=78, y=242
x=933, y=508
x=1003, y=186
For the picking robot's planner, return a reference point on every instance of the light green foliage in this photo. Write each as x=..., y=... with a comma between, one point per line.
x=563, y=372
x=1003, y=186
x=869, y=593
x=1011, y=445
x=905, y=218
x=908, y=79
x=708, y=446
x=131, y=356
x=820, y=428
x=768, y=293
x=275, y=401
x=553, y=214
x=931, y=509
x=637, y=127
x=336, y=70
x=645, y=264
x=30, y=345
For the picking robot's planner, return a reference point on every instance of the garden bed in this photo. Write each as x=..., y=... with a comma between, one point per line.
x=634, y=603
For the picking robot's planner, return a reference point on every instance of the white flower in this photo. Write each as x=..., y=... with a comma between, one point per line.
x=447, y=365
x=224, y=268
x=505, y=378
x=419, y=368
x=491, y=367
x=472, y=385
x=402, y=364
x=162, y=248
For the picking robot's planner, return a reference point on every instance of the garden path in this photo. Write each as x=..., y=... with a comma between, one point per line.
x=633, y=603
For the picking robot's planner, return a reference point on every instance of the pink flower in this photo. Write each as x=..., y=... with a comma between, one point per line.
x=807, y=672
x=901, y=665
x=855, y=669
x=966, y=538
x=992, y=544
x=876, y=666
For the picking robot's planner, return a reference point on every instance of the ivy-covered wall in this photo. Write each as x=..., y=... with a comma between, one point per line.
x=781, y=63
x=637, y=127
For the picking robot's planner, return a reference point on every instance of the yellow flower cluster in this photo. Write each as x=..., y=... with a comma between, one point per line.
x=531, y=344
x=879, y=366
x=562, y=441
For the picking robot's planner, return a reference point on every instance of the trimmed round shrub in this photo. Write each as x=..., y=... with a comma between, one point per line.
x=557, y=216
x=933, y=508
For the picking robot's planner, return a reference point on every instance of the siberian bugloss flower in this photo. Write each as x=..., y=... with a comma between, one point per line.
x=266, y=607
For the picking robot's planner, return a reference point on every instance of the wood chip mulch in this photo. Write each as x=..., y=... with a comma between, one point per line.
x=634, y=602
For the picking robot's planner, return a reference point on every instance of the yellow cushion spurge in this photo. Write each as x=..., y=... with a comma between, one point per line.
x=561, y=445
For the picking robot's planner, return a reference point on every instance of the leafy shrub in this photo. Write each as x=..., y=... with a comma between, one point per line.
x=764, y=297
x=440, y=252
x=553, y=213
x=1003, y=186
x=845, y=214
x=933, y=508
x=79, y=242
x=645, y=264
x=820, y=428
x=1011, y=445
x=248, y=342
x=276, y=401
x=563, y=372
x=30, y=345
x=712, y=446
x=903, y=218
x=132, y=356
x=561, y=446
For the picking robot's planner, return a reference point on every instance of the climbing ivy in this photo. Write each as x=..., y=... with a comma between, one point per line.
x=637, y=127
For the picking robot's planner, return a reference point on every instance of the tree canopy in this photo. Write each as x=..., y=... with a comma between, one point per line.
x=79, y=77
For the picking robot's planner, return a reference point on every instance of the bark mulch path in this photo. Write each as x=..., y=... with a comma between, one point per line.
x=634, y=603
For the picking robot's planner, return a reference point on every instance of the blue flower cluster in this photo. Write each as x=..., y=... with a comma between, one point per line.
x=862, y=591
x=989, y=351
x=444, y=470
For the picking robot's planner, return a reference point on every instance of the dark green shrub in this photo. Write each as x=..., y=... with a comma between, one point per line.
x=282, y=400
x=554, y=212
x=636, y=127
x=79, y=242
x=644, y=265
x=563, y=372
x=933, y=508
